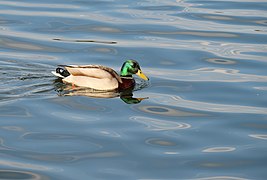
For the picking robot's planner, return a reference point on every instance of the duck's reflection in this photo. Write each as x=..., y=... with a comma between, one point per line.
x=68, y=90
x=127, y=97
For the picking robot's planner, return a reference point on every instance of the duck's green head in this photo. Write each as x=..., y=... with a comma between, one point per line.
x=131, y=67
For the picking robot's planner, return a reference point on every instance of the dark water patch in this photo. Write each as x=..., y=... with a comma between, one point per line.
x=86, y=41
x=221, y=61
x=165, y=111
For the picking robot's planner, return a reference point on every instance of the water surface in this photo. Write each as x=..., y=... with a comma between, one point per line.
x=204, y=113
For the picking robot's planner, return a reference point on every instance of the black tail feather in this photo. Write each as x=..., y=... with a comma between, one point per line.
x=62, y=72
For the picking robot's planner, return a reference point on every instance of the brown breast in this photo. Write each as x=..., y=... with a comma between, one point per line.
x=127, y=83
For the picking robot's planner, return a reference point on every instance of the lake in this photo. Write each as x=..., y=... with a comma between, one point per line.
x=201, y=116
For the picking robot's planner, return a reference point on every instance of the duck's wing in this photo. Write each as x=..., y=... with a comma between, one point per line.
x=95, y=71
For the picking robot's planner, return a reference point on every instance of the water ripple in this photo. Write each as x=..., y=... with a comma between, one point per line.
x=226, y=50
x=259, y=136
x=160, y=142
x=74, y=15
x=221, y=61
x=24, y=45
x=219, y=149
x=19, y=79
x=61, y=141
x=13, y=111
x=52, y=147
x=39, y=5
x=263, y=88
x=27, y=56
x=160, y=125
x=177, y=101
x=13, y=174
x=221, y=178
x=206, y=74
x=15, y=164
x=165, y=111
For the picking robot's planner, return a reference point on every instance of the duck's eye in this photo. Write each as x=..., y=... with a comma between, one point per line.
x=134, y=65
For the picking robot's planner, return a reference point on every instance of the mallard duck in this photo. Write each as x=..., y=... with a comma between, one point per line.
x=100, y=77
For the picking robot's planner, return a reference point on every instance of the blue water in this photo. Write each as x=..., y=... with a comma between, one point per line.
x=204, y=115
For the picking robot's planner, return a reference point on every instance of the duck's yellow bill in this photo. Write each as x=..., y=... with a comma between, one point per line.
x=141, y=75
